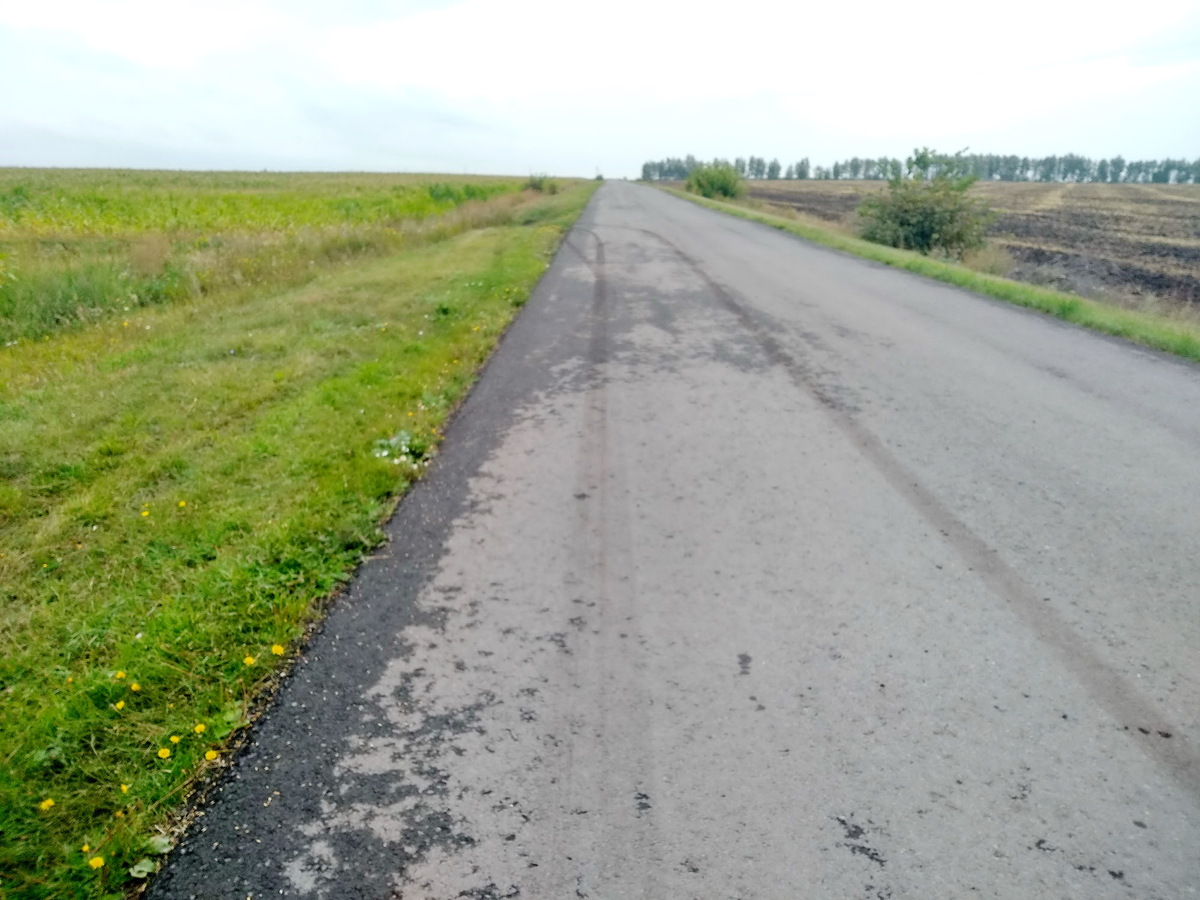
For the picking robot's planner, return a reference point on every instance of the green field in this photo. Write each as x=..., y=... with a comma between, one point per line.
x=77, y=245
x=190, y=472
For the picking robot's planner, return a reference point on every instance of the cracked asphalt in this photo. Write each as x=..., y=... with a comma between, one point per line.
x=752, y=570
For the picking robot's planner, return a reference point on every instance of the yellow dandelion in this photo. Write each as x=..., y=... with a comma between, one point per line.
x=120, y=814
x=210, y=755
x=145, y=512
x=182, y=503
x=249, y=660
x=175, y=739
x=119, y=675
x=46, y=804
x=164, y=753
x=200, y=727
x=277, y=649
x=70, y=679
x=120, y=704
x=135, y=687
x=124, y=789
x=96, y=862
x=85, y=848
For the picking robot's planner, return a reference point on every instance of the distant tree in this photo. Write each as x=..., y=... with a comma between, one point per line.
x=1074, y=167
x=1070, y=168
x=773, y=170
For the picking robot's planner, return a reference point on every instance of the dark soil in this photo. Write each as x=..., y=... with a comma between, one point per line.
x=1122, y=242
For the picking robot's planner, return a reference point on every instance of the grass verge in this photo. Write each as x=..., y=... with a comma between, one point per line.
x=1180, y=337
x=181, y=490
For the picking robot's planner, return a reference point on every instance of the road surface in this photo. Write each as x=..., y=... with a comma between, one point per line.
x=752, y=570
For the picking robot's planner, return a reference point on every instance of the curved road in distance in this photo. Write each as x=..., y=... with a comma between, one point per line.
x=752, y=570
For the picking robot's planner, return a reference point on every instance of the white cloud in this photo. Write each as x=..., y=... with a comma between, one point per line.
x=153, y=33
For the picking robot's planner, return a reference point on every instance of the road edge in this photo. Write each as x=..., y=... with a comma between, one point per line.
x=1144, y=329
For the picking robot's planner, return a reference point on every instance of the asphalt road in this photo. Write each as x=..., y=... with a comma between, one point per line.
x=751, y=570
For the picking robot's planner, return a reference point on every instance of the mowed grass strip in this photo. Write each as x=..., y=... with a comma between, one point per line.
x=1178, y=336
x=181, y=490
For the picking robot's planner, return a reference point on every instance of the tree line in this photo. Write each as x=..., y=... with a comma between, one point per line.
x=984, y=166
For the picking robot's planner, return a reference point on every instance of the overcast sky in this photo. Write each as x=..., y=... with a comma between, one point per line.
x=522, y=86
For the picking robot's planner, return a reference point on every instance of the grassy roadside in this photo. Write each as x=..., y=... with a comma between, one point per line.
x=1179, y=337
x=182, y=488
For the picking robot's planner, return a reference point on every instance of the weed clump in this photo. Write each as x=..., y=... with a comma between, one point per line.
x=543, y=184
x=990, y=259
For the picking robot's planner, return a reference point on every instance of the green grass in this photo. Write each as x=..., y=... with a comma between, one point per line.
x=78, y=245
x=54, y=202
x=182, y=488
x=1178, y=336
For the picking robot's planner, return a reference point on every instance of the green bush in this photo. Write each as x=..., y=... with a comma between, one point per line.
x=927, y=208
x=715, y=181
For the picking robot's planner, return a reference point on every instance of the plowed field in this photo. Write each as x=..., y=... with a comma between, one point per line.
x=1126, y=242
